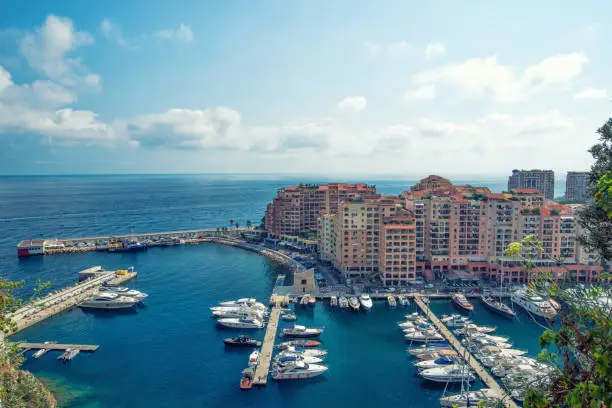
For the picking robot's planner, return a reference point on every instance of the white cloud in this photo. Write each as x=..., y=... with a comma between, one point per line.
x=112, y=31
x=434, y=128
x=424, y=92
x=352, y=104
x=392, y=48
x=478, y=76
x=591, y=93
x=47, y=50
x=182, y=33
x=433, y=50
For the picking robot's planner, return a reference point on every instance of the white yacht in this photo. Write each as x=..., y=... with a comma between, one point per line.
x=238, y=323
x=455, y=321
x=424, y=336
x=406, y=325
x=495, y=339
x=123, y=291
x=333, y=301
x=297, y=370
x=286, y=357
x=428, y=348
x=343, y=302
x=534, y=305
x=109, y=300
x=452, y=373
x=239, y=302
x=254, y=306
x=303, y=351
x=366, y=301
x=413, y=316
x=472, y=328
x=253, y=358
x=438, y=362
x=239, y=313
x=489, y=398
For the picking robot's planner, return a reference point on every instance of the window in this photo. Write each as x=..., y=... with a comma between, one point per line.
x=303, y=281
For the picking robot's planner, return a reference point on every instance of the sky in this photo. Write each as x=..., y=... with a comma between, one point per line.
x=306, y=86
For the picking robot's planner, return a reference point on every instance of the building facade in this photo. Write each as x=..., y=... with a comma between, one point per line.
x=576, y=184
x=542, y=180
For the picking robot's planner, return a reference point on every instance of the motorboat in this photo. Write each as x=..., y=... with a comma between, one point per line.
x=433, y=355
x=424, y=336
x=484, y=397
x=305, y=300
x=240, y=313
x=472, y=328
x=285, y=357
x=406, y=325
x=289, y=317
x=303, y=351
x=455, y=321
x=343, y=302
x=495, y=339
x=439, y=362
x=425, y=299
x=413, y=316
x=300, y=331
x=297, y=370
x=534, y=304
x=300, y=343
x=461, y=302
x=241, y=323
x=473, y=344
x=391, y=301
x=498, y=307
x=427, y=348
x=354, y=303
x=253, y=358
x=253, y=308
x=123, y=291
x=333, y=301
x=312, y=300
x=242, y=341
x=40, y=352
x=241, y=302
x=403, y=300
x=420, y=327
x=246, y=381
x=447, y=374
x=366, y=301
x=109, y=300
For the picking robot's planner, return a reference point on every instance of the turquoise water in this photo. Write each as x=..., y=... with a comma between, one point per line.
x=170, y=352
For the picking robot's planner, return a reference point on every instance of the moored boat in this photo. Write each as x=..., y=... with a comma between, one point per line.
x=366, y=301
x=354, y=303
x=246, y=381
x=300, y=343
x=241, y=323
x=534, y=304
x=312, y=300
x=424, y=336
x=462, y=303
x=484, y=397
x=242, y=341
x=297, y=370
x=391, y=301
x=498, y=307
x=446, y=374
x=403, y=300
x=109, y=300
x=289, y=317
x=300, y=332
x=333, y=301
x=343, y=302
x=439, y=362
x=253, y=358
x=285, y=357
x=312, y=352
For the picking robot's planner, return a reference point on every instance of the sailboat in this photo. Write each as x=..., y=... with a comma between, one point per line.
x=497, y=306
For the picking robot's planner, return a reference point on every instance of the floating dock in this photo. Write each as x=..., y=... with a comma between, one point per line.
x=265, y=355
x=56, y=346
x=452, y=340
x=54, y=303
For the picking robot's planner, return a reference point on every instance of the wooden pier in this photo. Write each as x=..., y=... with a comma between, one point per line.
x=56, y=346
x=265, y=355
x=54, y=303
x=476, y=366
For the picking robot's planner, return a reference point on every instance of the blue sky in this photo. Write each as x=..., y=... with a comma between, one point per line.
x=389, y=87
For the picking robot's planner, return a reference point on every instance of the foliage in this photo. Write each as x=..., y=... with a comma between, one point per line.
x=595, y=219
x=578, y=348
x=248, y=223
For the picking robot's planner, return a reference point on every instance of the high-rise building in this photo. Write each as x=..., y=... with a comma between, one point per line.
x=576, y=183
x=543, y=180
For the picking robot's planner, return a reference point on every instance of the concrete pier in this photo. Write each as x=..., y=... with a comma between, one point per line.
x=54, y=303
x=265, y=355
x=474, y=364
x=56, y=346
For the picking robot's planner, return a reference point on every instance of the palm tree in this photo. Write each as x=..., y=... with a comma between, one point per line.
x=237, y=225
x=231, y=222
x=248, y=223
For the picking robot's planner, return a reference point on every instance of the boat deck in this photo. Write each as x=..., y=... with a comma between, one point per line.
x=265, y=355
x=476, y=366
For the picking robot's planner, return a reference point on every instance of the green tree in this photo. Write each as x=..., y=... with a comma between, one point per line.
x=231, y=222
x=262, y=223
x=595, y=218
x=248, y=224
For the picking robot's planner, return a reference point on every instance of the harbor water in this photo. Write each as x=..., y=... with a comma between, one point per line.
x=169, y=353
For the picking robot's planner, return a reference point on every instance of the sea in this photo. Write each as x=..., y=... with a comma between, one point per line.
x=169, y=352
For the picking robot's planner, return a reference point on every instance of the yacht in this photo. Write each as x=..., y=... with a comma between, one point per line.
x=472, y=328
x=254, y=306
x=289, y=317
x=485, y=396
x=439, y=362
x=305, y=300
x=446, y=374
x=241, y=323
x=434, y=355
x=40, y=352
x=246, y=381
x=123, y=291
x=253, y=358
x=108, y=300
x=239, y=313
x=462, y=303
x=286, y=357
x=239, y=302
x=297, y=370
x=496, y=339
x=333, y=301
x=354, y=303
x=301, y=331
x=343, y=302
x=312, y=300
x=403, y=300
x=498, y=307
x=534, y=305
x=303, y=351
x=242, y=341
x=365, y=301
x=413, y=316
x=406, y=325
x=455, y=321
x=425, y=348
x=391, y=301
x=300, y=343
x=424, y=336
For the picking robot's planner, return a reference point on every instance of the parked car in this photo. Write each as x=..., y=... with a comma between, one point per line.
x=429, y=286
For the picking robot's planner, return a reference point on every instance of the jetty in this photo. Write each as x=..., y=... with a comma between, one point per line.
x=40, y=309
x=265, y=355
x=474, y=364
x=55, y=346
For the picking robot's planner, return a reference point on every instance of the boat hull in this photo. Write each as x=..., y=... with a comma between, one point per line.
x=296, y=376
x=299, y=335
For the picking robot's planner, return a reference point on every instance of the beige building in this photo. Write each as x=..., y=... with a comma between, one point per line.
x=304, y=282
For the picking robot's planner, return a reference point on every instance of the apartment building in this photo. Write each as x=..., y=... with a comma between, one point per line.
x=295, y=210
x=542, y=180
x=576, y=184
